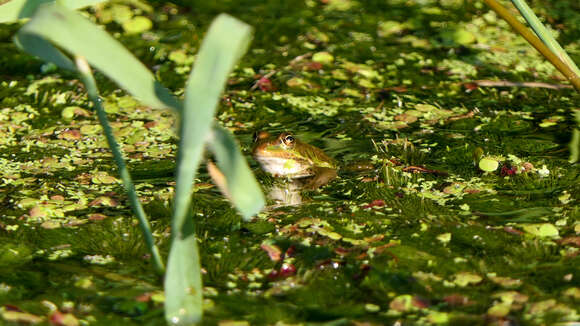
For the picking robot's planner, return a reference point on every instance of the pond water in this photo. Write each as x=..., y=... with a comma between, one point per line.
x=420, y=235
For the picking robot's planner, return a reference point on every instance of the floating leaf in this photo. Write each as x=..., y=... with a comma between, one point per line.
x=402, y=303
x=103, y=201
x=405, y=117
x=572, y=241
x=465, y=278
x=459, y=36
x=180, y=57
x=138, y=24
x=70, y=112
x=101, y=177
x=121, y=13
x=330, y=234
x=573, y=292
x=90, y=130
x=28, y=203
x=510, y=297
x=499, y=310
x=390, y=27
x=50, y=225
x=323, y=57
x=543, y=230
x=488, y=164
x=20, y=317
x=542, y=306
x=437, y=317
x=71, y=134
x=444, y=237
x=297, y=82
x=551, y=121
x=505, y=282
x=274, y=252
x=63, y=319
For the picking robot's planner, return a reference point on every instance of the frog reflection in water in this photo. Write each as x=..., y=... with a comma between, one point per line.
x=286, y=156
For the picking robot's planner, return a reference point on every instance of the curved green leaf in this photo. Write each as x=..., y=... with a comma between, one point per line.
x=93, y=92
x=544, y=34
x=183, y=287
x=226, y=40
x=242, y=187
x=574, y=144
x=43, y=49
x=15, y=10
x=77, y=35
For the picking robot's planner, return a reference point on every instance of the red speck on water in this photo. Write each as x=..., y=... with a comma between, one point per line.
x=265, y=84
x=375, y=203
x=287, y=270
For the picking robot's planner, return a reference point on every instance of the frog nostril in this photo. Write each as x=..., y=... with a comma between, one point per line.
x=260, y=135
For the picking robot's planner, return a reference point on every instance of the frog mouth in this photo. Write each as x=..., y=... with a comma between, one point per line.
x=284, y=167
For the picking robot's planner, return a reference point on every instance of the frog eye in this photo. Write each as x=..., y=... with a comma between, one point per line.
x=289, y=140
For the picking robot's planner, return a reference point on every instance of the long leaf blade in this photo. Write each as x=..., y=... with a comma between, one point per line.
x=183, y=286
x=226, y=40
x=242, y=188
x=544, y=34
x=43, y=49
x=575, y=141
x=15, y=10
x=93, y=92
x=77, y=35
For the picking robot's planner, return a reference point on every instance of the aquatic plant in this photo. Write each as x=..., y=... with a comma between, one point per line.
x=404, y=243
x=226, y=41
x=550, y=49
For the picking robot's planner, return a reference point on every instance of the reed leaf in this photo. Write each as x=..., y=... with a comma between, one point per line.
x=240, y=186
x=544, y=34
x=572, y=77
x=77, y=35
x=57, y=18
x=225, y=42
x=14, y=10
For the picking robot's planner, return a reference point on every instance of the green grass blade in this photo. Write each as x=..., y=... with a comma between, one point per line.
x=91, y=85
x=15, y=10
x=75, y=34
x=575, y=142
x=548, y=39
x=183, y=286
x=31, y=40
x=43, y=49
x=544, y=34
x=565, y=69
x=226, y=40
x=242, y=187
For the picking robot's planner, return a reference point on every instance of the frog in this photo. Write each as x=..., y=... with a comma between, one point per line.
x=285, y=156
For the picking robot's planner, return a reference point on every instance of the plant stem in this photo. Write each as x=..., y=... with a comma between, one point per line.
x=544, y=34
x=573, y=78
x=93, y=92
